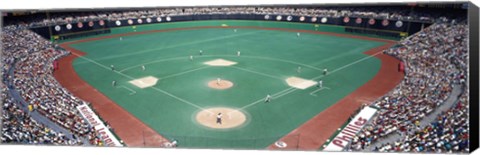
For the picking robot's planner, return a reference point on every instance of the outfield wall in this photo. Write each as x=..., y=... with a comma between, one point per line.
x=373, y=27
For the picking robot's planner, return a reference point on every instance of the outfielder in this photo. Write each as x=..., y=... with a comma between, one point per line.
x=114, y=83
x=219, y=118
x=238, y=53
x=298, y=34
x=121, y=38
x=234, y=30
x=201, y=52
x=191, y=57
x=268, y=98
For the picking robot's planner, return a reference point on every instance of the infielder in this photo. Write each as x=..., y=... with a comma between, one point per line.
x=238, y=53
x=143, y=67
x=112, y=67
x=114, y=83
x=299, y=69
x=268, y=98
x=219, y=118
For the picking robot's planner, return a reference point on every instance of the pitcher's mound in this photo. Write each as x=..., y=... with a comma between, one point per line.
x=230, y=118
x=223, y=84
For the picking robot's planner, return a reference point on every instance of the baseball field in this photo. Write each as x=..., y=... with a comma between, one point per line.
x=175, y=79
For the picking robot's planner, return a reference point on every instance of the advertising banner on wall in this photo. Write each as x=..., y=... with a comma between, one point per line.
x=95, y=122
x=348, y=132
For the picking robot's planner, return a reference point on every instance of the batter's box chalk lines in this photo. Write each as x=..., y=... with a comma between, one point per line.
x=313, y=92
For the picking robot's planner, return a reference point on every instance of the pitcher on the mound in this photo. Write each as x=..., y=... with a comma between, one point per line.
x=218, y=81
x=219, y=118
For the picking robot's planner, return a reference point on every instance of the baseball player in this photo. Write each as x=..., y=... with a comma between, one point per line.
x=219, y=118
x=325, y=71
x=298, y=34
x=299, y=69
x=121, y=38
x=268, y=98
x=114, y=83
x=201, y=52
x=191, y=57
x=218, y=81
x=112, y=67
x=320, y=84
x=234, y=30
x=238, y=53
x=143, y=67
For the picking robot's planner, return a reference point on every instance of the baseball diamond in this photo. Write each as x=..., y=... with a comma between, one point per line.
x=180, y=104
x=317, y=77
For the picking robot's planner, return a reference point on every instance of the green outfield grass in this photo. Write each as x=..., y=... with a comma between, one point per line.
x=267, y=58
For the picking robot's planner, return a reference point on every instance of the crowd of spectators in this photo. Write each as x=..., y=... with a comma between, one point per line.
x=19, y=127
x=436, y=60
x=384, y=12
x=33, y=57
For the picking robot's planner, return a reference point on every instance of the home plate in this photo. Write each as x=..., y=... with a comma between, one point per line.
x=300, y=83
x=220, y=62
x=144, y=82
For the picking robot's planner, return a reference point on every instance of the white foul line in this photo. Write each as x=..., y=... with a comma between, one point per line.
x=283, y=93
x=313, y=92
x=160, y=90
x=132, y=91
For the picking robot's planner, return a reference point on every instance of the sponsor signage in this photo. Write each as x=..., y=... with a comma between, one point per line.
x=92, y=119
x=279, y=17
x=399, y=24
x=57, y=28
x=340, y=142
x=346, y=20
x=267, y=17
x=324, y=20
x=371, y=21
x=289, y=18
x=358, y=20
x=385, y=22
x=69, y=26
